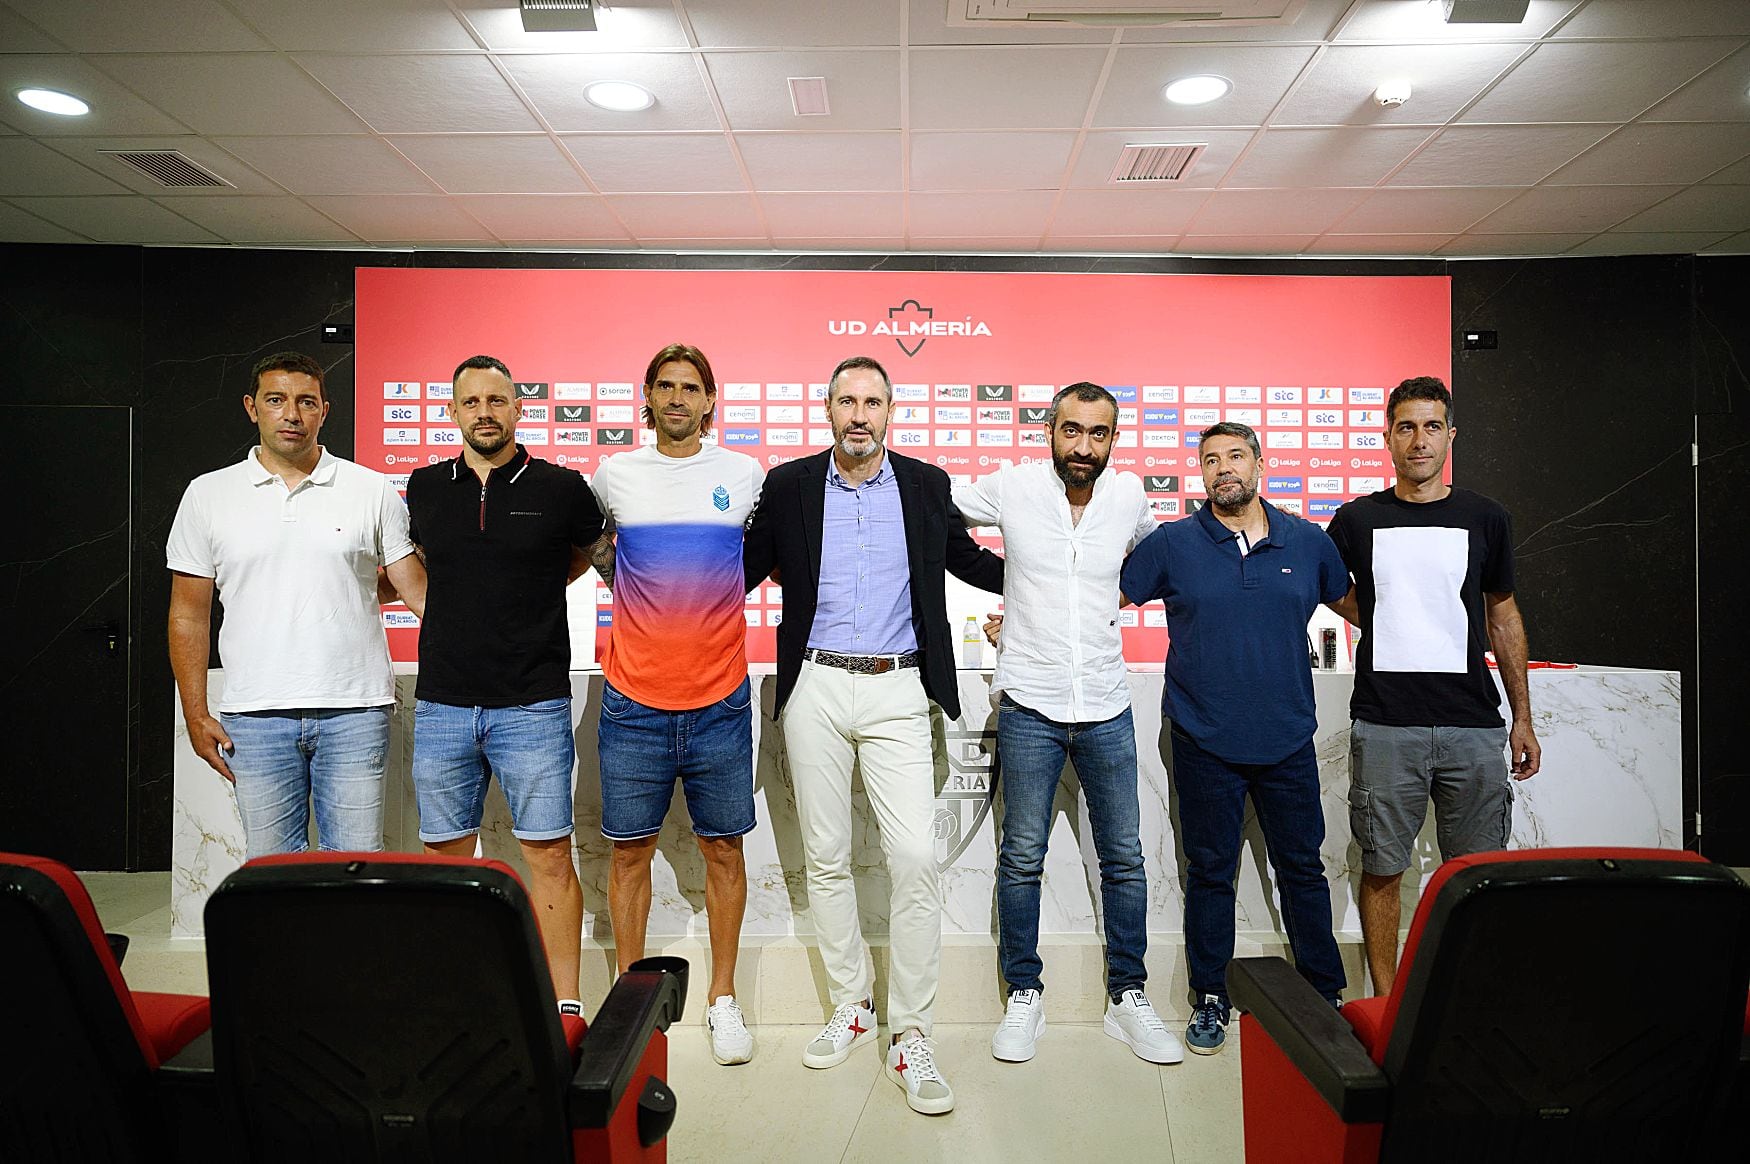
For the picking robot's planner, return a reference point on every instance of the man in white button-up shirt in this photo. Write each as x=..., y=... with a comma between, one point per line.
x=1067, y=527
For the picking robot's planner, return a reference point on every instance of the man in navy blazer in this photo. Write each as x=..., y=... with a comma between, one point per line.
x=860, y=537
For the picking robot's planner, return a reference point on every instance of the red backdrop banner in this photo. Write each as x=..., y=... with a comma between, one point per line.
x=974, y=356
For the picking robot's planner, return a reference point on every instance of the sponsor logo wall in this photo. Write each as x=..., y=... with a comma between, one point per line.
x=975, y=360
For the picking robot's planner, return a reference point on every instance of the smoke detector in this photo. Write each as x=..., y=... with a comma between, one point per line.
x=1392, y=94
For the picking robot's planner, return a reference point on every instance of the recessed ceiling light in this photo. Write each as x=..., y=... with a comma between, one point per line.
x=1197, y=90
x=619, y=96
x=53, y=101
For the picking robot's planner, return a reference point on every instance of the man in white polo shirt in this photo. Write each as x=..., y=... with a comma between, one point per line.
x=1067, y=527
x=291, y=540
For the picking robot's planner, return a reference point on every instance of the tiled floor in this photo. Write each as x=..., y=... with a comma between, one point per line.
x=1084, y=1097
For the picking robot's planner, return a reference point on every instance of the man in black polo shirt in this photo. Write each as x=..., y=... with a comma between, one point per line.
x=501, y=534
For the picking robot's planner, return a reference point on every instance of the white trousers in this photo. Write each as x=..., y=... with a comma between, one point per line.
x=833, y=720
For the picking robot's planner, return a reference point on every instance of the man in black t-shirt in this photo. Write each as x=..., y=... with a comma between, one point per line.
x=501, y=534
x=1433, y=570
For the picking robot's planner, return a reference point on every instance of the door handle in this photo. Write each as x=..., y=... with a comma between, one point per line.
x=111, y=631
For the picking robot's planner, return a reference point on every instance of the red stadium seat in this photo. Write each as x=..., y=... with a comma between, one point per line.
x=1558, y=1004
x=79, y=1066
x=387, y=1006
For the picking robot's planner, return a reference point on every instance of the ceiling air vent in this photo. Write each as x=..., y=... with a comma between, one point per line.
x=808, y=96
x=1125, y=13
x=1156, y=163
x=168, y=168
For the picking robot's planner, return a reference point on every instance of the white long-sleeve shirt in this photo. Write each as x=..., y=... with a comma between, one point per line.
x=1060, y=654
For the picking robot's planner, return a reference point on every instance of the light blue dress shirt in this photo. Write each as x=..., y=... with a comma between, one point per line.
x=863, y=606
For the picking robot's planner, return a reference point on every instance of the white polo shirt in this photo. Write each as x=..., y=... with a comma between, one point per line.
x=1061, y=653
x=296, y=572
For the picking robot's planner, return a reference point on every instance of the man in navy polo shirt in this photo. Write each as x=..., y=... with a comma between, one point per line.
x=1240, y=579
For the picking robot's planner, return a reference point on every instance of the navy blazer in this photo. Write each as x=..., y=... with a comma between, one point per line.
x=784, y=533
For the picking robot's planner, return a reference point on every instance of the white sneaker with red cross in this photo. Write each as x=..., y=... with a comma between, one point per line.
x=911, y=1064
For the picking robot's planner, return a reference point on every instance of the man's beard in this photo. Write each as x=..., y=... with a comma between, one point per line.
x=847, y=436
x=1248, y=491
x=489, y=446
x=1076, y=475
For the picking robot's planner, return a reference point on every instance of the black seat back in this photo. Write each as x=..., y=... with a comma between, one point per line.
x=1573, y=1009
x=385, y=1008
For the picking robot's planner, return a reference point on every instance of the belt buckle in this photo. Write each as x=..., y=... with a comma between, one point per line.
x=882, y=665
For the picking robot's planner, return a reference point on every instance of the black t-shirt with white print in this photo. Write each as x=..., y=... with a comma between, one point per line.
x=1421, y=570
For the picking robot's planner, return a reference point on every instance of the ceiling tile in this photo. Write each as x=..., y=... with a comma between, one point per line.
x=106, y=26
x=330, y=164
x=348, y=26
x=423, y=94
x=702, y=216
x=1324, y=157
x=1316, y=22
x=1496, y=155
x=559, y=216
x=683, y=245
x=873, y=245
x=978, y=245
x=28, y=167
x=657, y=163
x=626, y=24
x=18, y=227
x=821, y=161
x=555, y=83
x=1595, y=81
x=1661, y=153
x=1011, y=212
x=1243, y=244
x=493, y=163
x=1443, y=78
x=1720, y=94
x=1664, y=19
x=1261, y=75
x=926, y=25
x=1408, y=20
x=1127, y=211
x=21, y=36
x=1120, y=244
x=260, y=220
x=1722, y=208
x=1572, y=208
x=1274, y=211
x=989, y=161
x=428, y=219
x=1423, y=210
x=737, y=23
x=1735, y=175
x=1490, y=246
x=1003, y=88
x=828, y=215
x=1738, y=244
x=127, y=218
x=114, y=110
x=1651, y=242
x=197, y=149
x=1100, y=152
x=1383, y=245
x=862, y=89
x=234, y=93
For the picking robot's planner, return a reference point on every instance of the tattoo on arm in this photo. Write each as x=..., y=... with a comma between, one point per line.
x=601, y=556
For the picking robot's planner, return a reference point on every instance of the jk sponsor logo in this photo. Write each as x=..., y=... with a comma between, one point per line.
x=571, y=390
x=400, y=436
x=1160, y=394
x=953, y=437
x=573, y=414
x=1324, y=396
x=1366, y=418
x=401, y=390
x=911, y=414
x=437, y=413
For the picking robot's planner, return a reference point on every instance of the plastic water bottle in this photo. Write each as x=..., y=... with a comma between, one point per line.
x=972, y=644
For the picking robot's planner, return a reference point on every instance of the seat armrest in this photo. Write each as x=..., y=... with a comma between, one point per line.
x=642, y=1002
x=193, y=1064
x=1313, y=1036
x=118, y=946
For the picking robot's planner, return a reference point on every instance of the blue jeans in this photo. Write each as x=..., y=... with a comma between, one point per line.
x=528, y=747
x=285, y=759
x=1212, y=804
x=1031, y=750
x=644, y=750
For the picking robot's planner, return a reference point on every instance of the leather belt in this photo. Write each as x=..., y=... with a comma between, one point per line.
x=862, y=664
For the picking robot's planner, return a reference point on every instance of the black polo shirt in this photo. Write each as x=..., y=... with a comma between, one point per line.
x=494, y=632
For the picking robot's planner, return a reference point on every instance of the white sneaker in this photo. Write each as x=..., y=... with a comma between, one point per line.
x=1133, y=1021
x=911, y=1063
x=731, y=1041
x=850, y=1026
x=1021, y=1027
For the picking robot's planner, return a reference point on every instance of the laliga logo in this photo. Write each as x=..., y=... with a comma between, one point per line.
x=911, y=320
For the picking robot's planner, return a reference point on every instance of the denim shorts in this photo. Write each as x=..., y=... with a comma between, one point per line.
x=286, y=760
x=644, y=750
x=457, y=749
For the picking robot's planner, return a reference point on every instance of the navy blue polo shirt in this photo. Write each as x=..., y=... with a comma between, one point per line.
x=1238, y=679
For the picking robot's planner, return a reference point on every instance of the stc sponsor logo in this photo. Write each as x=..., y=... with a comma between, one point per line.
x=438, y=390
x=1324, y=484
x=1325, y=418
x=1160, y=416
x=535, y=413
x=1246, y=395
x=1284, y=484
x=908, y=438
x=623, y=436
x=531, y=390
x=911, y=325
x=615, y=392
x=571, y=436
x=996, y=416
x=740, y=414
x=1155, y=483
x=1034, y=415
x=1367, y=440
x=400, y=390
x=1036, y=393
x=911, y=393
x=1160, y=394
x=1323, y=507
x=571, y=390
x=573, y=414
x=996, y=392
x=1282, y=395
x=955, y=392
x=740, y=391
x=401, y=413
x=443, y=436
x=1367, y=396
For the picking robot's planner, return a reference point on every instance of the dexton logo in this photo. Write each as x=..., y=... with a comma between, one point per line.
x=911, y=325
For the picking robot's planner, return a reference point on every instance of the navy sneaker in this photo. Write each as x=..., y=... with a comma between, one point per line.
x=1207, y=1032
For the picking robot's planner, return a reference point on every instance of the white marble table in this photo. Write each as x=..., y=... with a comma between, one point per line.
x=1611, y=775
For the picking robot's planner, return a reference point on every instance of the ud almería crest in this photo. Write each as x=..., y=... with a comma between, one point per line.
x=964, y=801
